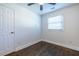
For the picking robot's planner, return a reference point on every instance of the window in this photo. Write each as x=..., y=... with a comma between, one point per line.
x=56, y=23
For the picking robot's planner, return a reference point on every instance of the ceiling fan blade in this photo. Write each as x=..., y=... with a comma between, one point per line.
x=41, y=7
x=30, y=4
x=52, y=3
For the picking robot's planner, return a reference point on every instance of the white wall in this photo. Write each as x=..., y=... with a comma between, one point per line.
x=28, y=29
x=70, y=36
x=27, y=26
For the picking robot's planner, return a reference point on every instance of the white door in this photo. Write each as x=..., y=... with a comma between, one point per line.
x=6, y=30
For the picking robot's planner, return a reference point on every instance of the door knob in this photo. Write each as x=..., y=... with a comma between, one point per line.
x=12, y=32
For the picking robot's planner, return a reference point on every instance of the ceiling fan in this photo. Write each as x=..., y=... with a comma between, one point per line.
x=41, y=5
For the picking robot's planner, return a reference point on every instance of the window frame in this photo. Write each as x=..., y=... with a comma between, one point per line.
x=62, y=29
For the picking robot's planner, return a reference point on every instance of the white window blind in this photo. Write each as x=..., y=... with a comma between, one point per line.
x=56, y=23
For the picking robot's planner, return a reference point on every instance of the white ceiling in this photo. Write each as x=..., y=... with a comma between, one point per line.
x=46, y=7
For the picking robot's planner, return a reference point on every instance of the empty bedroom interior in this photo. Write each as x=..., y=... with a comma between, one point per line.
x=34, y=29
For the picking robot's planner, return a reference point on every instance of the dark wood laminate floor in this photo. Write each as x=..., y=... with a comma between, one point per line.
x=45, y=49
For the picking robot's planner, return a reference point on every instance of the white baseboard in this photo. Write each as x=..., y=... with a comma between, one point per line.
x=19, y=48
x=26, y=45
x=3, y=53
x=63, y=45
